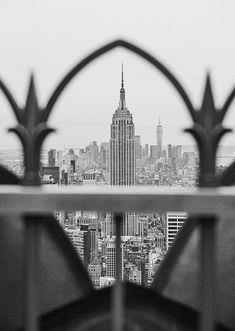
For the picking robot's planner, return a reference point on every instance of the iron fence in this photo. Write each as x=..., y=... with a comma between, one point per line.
x=205, y=204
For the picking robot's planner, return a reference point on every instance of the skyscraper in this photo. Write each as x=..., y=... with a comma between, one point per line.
x=146, y=150
x=138, y=148
x=159, y=139
x=174, y=222
x=122, y=144
x=111, y=259
x=153, y=152
x=51, y=157
x=122, y=157
x=169, y=151
x=179, y=152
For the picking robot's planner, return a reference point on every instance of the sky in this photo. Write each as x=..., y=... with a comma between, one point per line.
x=48, y=38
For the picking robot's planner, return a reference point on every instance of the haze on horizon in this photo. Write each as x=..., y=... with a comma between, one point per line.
x=50, y=37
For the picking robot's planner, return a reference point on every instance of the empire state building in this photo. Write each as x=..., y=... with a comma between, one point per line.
x=122, y=144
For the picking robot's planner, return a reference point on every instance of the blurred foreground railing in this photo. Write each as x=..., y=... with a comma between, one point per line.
x=206, y=201
x=208, y=204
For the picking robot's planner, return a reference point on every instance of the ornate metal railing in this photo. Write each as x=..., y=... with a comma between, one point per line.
x=207, y=204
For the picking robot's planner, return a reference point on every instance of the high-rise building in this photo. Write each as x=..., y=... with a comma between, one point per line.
x=159, y=139
x=51, y=157
x=73, y=166
x=90, y=241
x=122, y=155
x=169, y=151
x=107, y=226
x=59, y=158
x=185, y=158
x=60, y=216
x=83, y=219
x=174, y=222
x=191, y=159
x=174, y=151
x=64, y=177
x=138, y=148
x=93, y=151
x=104, y=151
x=94, y=269
x=153, y=152
x=77, y=238
x=179, y=152
x=131, y=224
x=85, y=241
x=146, y=150
x=111, y=259
x=122, y=144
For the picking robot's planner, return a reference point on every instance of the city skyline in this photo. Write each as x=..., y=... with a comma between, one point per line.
x=125, y=111
x=145, y=237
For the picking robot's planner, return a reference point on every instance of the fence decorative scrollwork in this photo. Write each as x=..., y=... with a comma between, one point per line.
x=207, y=130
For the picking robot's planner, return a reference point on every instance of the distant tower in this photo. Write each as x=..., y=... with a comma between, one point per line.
x=159, y=139
x=122, y=144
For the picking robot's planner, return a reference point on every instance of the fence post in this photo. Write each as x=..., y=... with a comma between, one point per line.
x=118, y=289
x=31, y=272
x=207, y=273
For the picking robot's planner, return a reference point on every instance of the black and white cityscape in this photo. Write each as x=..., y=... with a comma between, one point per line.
x=117, y=165
x=122, y=161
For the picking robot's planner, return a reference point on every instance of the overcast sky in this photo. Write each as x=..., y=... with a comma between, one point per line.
x=48, y=37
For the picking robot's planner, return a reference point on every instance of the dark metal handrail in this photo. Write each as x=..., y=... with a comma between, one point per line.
x=202, y=201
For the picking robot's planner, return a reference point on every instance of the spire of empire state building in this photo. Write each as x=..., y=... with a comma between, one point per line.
x=122, y=102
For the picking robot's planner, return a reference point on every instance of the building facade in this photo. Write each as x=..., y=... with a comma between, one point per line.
x=77, y=238
x=174, y=222
x=111, y=259
x=51, y=157
x=94, y=269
